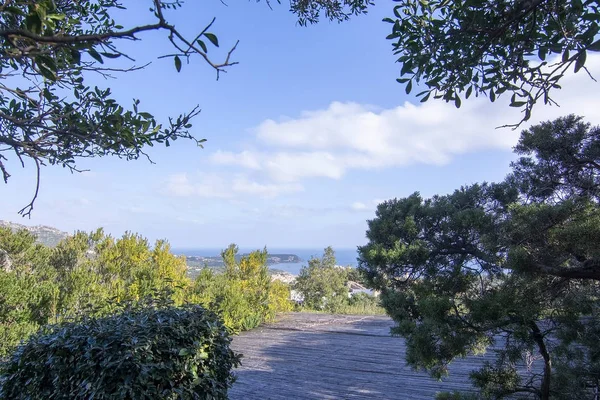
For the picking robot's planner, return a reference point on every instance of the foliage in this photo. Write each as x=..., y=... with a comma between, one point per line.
x=355, y=275
x=511, y=266
x=152, y=350
x=92, y=274
x=84, y=274
x=243, y=295
x=49, y=114
x=279, y=297
x=26, y=299
x=361, y=304
x=322, y=284
x=325, y=287
x=492, y=47
x=309, y=11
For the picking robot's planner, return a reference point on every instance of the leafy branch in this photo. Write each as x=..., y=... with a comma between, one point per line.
x=47, y=112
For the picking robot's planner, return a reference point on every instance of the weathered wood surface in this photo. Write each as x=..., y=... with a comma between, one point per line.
x=319, y=356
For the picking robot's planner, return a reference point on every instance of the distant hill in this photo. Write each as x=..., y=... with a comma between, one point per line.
x=45, y=235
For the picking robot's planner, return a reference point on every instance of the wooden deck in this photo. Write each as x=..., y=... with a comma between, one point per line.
x=319, y=356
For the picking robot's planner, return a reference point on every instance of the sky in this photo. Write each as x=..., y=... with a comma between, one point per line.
x=304, y=137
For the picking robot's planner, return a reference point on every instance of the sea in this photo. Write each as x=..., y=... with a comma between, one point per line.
x=343, y=256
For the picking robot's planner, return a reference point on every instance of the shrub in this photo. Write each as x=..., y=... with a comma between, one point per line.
x=279, y=297
x=83, y=273
x=243, y=295
x=362, y=303
x=148, y=351
x=322, y=284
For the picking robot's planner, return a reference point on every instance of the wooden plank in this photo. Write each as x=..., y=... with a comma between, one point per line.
x=320, y=356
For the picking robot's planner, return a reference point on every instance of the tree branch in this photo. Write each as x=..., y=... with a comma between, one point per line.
x=77, y=39
x=26, y=211
x=589, y=271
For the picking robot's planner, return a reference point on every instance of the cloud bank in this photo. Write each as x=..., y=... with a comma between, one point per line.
x=346, y=136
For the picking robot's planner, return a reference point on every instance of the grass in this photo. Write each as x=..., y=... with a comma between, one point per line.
x=361, y=309
x=363, y=305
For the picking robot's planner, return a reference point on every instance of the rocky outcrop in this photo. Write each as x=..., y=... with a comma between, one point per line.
x=5, y=262
x=283, y=276
x=45, y=235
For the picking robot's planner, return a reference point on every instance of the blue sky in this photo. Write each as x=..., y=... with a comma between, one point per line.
x=305, y=136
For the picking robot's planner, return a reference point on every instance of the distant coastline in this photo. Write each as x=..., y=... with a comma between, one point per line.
x=217, y=261
x=344, y=256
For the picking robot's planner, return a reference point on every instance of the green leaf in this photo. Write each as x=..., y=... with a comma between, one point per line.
x=57, y=17
x=591, y=17
x=76, y=56
x=594, y=46
x=213, y=39
x=33, y=23
x=457, y=101
x=95, y=55
x=406, y=67
x=518, y=103
x=565, y=56
x=14, y=10
x=469, y=91
x=47, y=67
x=201, y=43
x=177, y=63
x=408, y=87
x=47, y=73
x=111, y=55
x=580, y=62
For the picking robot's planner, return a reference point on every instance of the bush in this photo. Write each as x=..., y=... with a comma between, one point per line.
x=84, y=273
x=322, y=284
x=279, y=297
x=147, y=351
x=243, y=295
x=362, y=303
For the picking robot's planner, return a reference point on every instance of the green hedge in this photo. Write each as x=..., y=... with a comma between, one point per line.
x=143, y=353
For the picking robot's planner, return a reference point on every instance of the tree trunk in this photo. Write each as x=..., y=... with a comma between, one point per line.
x=539, y=339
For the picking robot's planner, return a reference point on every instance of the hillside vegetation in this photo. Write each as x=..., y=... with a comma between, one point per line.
x=46, y=235
x=93, y=274
x=325, y=287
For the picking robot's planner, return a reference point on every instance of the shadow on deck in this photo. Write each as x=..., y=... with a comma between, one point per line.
x=320, y=356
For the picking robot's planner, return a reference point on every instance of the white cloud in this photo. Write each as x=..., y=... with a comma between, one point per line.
x=245, y=186
x=222, y=187
x=295, y=211
x=245, y=159
x=289, y=166
x=358, y=206
x=84, y=201
x=179, y=185
x=344, y=136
